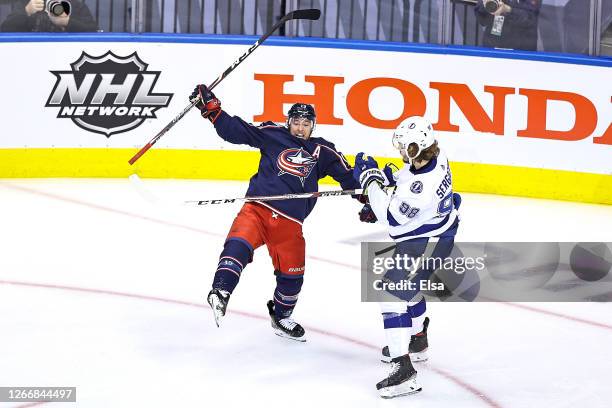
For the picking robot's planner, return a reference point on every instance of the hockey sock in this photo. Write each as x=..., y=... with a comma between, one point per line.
x=286, y=293
x=417, y=313
x=398, y=329
x=235, y=256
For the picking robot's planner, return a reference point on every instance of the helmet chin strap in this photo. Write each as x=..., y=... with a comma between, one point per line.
x=406, y=157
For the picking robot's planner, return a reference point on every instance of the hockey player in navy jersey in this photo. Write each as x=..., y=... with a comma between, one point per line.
x=291, y=162
x=421, y=206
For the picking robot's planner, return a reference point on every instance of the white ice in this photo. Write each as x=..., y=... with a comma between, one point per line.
x=104, y=290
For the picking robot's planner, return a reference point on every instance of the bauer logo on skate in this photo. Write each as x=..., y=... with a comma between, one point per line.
x=296, y=162
x=107, y=94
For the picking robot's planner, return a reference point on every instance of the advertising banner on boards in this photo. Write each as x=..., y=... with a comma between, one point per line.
x=485, y=110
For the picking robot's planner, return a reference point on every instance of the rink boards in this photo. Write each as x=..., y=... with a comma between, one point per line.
x=524, y=124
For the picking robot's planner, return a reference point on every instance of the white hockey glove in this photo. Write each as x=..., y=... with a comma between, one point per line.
x=372, y=176
x=366, y=171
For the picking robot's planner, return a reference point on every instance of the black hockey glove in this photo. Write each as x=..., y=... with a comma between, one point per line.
x=208, y=104
x=367, y=214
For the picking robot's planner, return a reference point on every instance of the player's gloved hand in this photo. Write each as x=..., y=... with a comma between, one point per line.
x=366, y=171
x=388, y=171
x=208, y=104
x=362, y=198
x=367, y=214
x=457, y=200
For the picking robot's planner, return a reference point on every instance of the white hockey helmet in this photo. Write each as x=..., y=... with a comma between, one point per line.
x=413, y=130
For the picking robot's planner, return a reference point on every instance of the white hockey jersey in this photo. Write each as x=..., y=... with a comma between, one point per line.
x=422, y=203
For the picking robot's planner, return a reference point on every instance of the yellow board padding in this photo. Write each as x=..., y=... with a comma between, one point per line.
x=241, y=165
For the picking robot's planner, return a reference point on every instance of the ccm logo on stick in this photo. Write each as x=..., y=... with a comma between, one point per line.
x=225, y=201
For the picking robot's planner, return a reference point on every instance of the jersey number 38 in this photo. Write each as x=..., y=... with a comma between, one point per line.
x=408, y=211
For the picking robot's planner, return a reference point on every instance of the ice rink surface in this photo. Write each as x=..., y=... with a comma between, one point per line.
x=104, y=290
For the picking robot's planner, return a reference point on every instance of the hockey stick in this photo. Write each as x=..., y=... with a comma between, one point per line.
x=306, y=14
x=316, y=194
x=148, y=195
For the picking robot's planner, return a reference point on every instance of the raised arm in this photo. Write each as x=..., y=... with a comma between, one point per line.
x=231, y=128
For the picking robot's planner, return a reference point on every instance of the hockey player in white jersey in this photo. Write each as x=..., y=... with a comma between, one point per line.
x=420, y=206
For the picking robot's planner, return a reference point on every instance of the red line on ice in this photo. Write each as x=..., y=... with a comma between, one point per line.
x=468, y=387
x=333, y=262
x=33, y=404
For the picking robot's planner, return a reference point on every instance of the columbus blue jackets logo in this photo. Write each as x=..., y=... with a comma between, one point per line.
x=297, y=162
x=107, y=94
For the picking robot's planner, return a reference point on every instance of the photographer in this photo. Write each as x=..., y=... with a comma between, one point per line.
x=50, y=16
x=509, y=23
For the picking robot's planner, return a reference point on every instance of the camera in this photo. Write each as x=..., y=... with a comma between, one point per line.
x=57, y=7
x=492, y=5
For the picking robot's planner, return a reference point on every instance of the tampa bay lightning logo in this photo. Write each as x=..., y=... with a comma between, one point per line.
x=416, y=187
x=297, y=162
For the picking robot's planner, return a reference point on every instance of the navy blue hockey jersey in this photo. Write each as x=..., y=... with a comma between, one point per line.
x=288, y=164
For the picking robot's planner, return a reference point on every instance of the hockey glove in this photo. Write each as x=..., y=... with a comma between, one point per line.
x=208, y=104
x=388, y=171
x=366, y=171
x=367, y=214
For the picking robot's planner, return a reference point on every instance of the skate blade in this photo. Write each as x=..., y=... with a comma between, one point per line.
x=214, y=305
x=284, y=335
x=406, y=388
x=217, y=314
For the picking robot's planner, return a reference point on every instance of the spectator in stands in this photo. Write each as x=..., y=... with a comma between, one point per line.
x=509, y=23
x=32, y=15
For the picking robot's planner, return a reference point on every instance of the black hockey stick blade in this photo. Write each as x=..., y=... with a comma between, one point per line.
x=306, y=14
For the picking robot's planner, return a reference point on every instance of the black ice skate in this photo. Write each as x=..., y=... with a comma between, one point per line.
x=217, y=299
x=401, y=379
x=417, y=348
x=286, y=327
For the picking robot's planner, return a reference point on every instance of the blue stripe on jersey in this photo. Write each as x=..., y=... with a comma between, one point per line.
x=391, y=219
x=423, y=229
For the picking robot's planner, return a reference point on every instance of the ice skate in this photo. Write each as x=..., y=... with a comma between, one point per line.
x=287, y=327
x=417, y=348
x=401, y=379
x=418, y=344
x=217, y=299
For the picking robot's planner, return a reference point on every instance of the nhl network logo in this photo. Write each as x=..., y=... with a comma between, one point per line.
x=107, y=94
